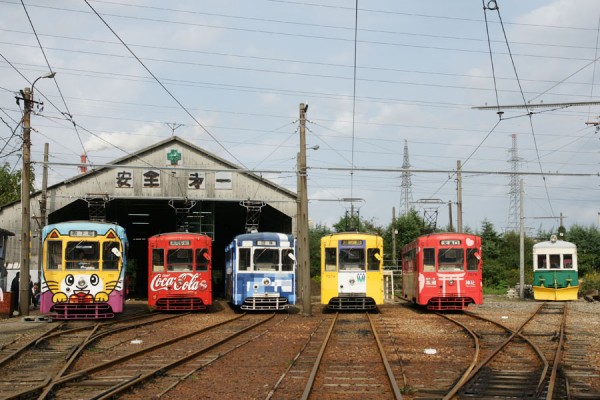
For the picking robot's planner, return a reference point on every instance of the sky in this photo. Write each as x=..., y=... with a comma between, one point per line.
x=379, y=77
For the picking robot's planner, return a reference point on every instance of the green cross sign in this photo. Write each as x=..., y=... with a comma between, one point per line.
x=174, y=156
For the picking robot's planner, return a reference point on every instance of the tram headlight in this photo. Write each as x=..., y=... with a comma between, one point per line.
x=451, y=282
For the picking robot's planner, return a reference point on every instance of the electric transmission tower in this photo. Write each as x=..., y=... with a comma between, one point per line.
x=406, y=197
x=513, y=191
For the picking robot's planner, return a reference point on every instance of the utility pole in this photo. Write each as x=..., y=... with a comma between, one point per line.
x=302, y=218
x=24, y=292
x=521, y=243
x=25, y=210
x=394, y=258
x=459, y=224
x=43, y=210
x=450, y=215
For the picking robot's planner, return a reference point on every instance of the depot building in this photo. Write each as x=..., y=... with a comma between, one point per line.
x=172, y=186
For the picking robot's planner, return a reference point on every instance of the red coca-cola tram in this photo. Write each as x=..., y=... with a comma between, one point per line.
x=442, y=271
x=179, y=272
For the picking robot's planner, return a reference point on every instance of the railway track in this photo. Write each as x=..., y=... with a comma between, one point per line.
x=520, y=363
x=27, y=370
x=115, y=376
x=343, y=359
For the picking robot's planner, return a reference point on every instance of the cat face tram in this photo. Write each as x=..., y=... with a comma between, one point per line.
x=84, y=266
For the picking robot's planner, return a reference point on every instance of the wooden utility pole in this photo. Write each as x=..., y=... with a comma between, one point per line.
x=25, y=207
x=302, y=218
x=43, y=209
x=459, y=212
x=24, y=292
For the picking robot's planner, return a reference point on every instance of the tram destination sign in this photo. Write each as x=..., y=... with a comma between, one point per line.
x=82, y=233
x=450, y=242
x=179, y=242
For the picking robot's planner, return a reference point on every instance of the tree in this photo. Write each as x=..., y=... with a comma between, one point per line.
x=490, y=240
x=314, y=241
x=10, y=185
x=409, y=227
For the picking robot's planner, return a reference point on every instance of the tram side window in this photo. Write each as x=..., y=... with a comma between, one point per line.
x=568, y=261
x=554, y=261
x=287, y=262
x=202, y=259
x=110, y=260
x=408, y=261
x=158, y=260
x=541, y=261
x=244, y=261
x=472, y=260
x=428, y=260
x=54, y=255
x=330, y=259
x=372, y=259
x=179, y=260
x=451, y=259
x=266, y=260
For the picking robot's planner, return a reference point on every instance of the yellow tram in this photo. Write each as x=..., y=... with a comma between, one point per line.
x=352, y=271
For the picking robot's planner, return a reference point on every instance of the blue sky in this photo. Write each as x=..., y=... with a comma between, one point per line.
x=241, y=69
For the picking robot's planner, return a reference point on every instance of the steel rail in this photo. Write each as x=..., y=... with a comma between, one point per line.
x=388, y=368
x=557, y=358
x=311, y=379
x=463, y=379
x=219, y=356
x=504, y=344
x=287, y=370
x=109, y=394
x=93, y=336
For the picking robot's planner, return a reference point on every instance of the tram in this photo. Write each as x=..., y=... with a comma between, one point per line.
x=352, y=271
x=443, y=271
x=83, y=270
x=260, y=270
x=555, y=275
x=179, y=272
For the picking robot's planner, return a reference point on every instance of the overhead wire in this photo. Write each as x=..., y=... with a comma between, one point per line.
x=163, y=86
x=68, y=113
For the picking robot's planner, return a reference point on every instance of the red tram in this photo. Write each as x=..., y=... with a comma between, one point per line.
x=179, y=272
x=442, y=271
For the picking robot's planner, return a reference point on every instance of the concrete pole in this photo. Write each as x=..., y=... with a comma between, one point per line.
x=302, y=218
x=43, y=207
x=394, y=258
x=25, y=206
x=459, y=211
x=521, y=244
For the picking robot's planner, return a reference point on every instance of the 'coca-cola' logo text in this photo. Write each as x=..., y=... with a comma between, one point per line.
x=181, y=282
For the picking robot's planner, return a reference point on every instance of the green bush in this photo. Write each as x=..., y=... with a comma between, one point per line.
x=589, y=283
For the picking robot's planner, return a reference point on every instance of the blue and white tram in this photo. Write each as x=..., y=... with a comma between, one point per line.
x=261, y=271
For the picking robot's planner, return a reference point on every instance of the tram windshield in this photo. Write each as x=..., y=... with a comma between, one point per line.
x=452, y=259
x=352, y=259
x=266, y=259
x=180, y=260
x=82, y=255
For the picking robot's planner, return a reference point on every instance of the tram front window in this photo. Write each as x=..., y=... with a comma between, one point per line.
x=352, y=260
x=83, y=255
x=180, y=260
x=266, y=259
x=451, y=260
